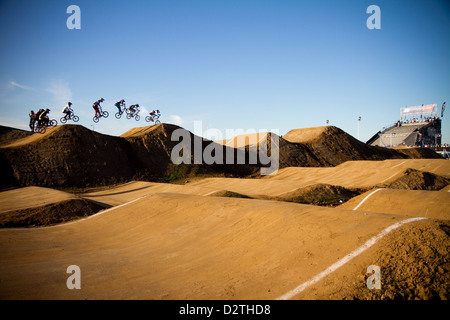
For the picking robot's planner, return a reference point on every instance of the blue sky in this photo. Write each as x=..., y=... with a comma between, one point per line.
x=245, y=64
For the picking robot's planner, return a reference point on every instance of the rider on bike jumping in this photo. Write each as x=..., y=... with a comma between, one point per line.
x=67, y=110
x=120, y=104
x=134, y=109
x=154, y=114
x=97, y=106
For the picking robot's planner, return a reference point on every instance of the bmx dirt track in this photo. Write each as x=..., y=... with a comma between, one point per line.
x=182, y=241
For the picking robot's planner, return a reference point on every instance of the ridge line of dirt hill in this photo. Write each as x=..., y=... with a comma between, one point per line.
x=334, y=146
x=72, y=155
x=50, y=214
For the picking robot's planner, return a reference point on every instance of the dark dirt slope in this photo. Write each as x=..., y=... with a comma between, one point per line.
x=8, y=135
x=333, y=146
x=289, y=154
x=153, y=147
x=293, y=154
x=49, y=214
x=71, y=155
x=418, y=153
x=67, y=155
x=413, y=179
x=320, y=195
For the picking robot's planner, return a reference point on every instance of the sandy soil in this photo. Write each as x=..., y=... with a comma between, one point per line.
x=173, y=246
x=230, y=238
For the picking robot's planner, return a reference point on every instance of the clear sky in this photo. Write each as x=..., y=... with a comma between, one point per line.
x=244, y=64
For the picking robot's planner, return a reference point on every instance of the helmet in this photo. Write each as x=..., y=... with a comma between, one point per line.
x=32, y=111
x=70, y=103
x=47, y=109
x=102, y=99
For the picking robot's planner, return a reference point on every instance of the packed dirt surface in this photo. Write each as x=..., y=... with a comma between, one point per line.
x=149, y=249
x=417, y=203
x=369, y=174
x=284, y=236
x=30, y=197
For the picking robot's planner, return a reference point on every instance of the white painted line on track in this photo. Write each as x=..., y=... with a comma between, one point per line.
x=372, y=193
x=399, y=164
x=346, y=259
x=288, y=191
x=390, y=177
x=295, y=189
x=207, y=194
x=79, y=220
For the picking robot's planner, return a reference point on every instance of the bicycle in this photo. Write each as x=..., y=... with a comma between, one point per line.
x=154, y=118
x=123, y=110
x=72, y=116
x=102, y=113
x=41, y=126
x=133, y=114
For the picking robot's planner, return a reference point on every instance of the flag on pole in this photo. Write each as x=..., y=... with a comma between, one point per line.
x=443, y=108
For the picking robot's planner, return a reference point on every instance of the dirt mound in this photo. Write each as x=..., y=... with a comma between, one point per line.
x=421, y=268
x=332, y=146
x=153, y=147
x=49, y=214
x=71, y=155
x=321, y=195
x=289, y=154
x=413, y=179
x=141, y=131
x=418, y=153
x=414, y=264
x=68, y=155
x=228, y=194
x=8, y=135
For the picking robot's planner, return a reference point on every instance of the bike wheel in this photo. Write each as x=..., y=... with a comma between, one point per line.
x=147, y=118
x=63, y=120
x=128, y=115
x=76, y=118
x=137, y=117
x=105, y=114
x=95, y=119
x=118, y=115
x=53, y=123
x=157, y=121
x=42, y=129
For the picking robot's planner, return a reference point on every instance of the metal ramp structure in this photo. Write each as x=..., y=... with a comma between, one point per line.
x=418, y=126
